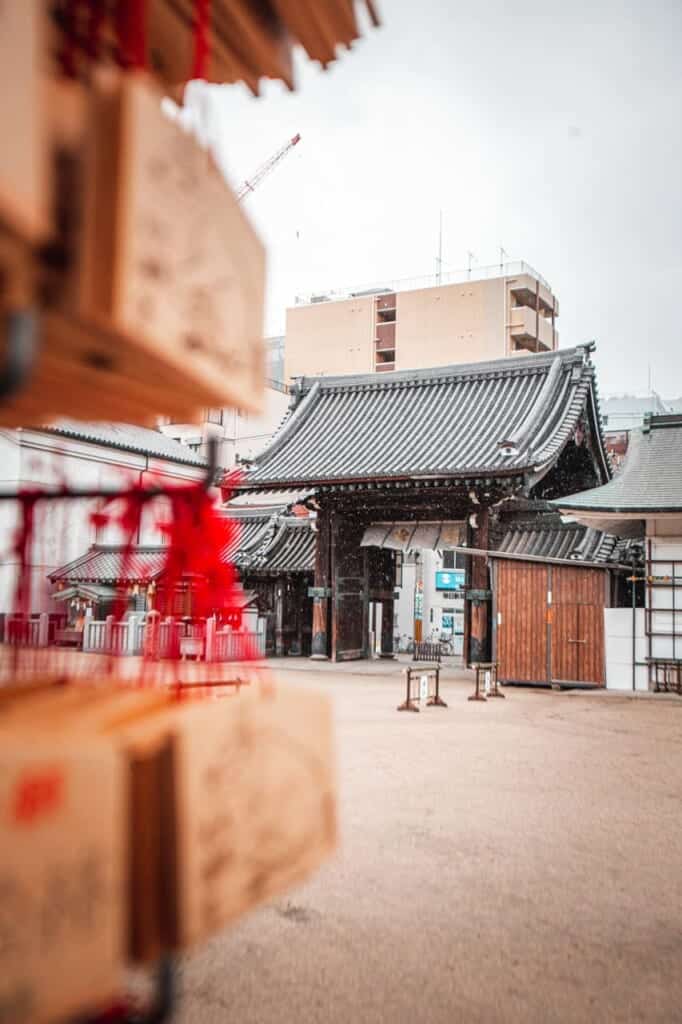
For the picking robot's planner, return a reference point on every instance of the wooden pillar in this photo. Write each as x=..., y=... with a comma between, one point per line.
x=279, y=618
x=319, y=647
x=479, y=605
x=387, y=629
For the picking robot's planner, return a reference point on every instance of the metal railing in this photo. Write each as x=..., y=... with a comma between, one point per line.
x=514, y=268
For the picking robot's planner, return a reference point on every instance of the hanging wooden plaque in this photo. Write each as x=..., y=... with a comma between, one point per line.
x=62, y=878
x=254, y=803
x=23, y=154
x=169, y=261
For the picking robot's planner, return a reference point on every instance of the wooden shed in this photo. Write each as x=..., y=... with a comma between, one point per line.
x=551, y=583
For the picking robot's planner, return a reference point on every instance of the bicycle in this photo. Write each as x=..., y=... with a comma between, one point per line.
x=403, y=644
x=445, y=643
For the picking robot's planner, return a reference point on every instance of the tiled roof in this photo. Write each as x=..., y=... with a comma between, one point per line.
x=292, y=550
x=549, y=538
x=271, y=501
x=651, y=477
x=506, y=417
x=271, y=541
x=107, y=565
x=128, y=438
x=253, y=529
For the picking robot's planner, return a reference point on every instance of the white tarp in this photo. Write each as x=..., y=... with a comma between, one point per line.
x=412, y=536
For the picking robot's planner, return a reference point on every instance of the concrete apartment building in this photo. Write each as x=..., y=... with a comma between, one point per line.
x=462, y=317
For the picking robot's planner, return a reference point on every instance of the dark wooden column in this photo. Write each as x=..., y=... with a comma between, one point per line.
x=279, y=617
x=387, y=619
x=479, y=605
x=350, y=591
x=319, y=647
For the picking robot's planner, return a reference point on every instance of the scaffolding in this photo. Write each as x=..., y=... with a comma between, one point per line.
x=663, y=622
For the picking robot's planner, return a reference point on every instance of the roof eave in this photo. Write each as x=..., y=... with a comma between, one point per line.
x=472, y=473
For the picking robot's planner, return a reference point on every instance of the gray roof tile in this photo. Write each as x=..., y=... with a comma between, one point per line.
x=271, y=541
x=292, y=550
x=446, y=421
x=128, y=438
x=107, y=565
x=548, y=537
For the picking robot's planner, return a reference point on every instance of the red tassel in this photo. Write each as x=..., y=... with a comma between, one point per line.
x=23, y=546
x=202, y=18
x=132, y=33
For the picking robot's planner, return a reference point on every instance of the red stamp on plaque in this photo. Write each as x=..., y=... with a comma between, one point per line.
x=38, y=793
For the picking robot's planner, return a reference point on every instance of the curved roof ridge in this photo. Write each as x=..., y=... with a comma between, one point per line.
x=504, y=366
x=290, y=422
x=520, y=437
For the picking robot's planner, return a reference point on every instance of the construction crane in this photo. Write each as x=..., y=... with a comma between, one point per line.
x=251, y=183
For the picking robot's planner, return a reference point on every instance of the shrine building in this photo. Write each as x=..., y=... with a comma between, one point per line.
x=426, y=459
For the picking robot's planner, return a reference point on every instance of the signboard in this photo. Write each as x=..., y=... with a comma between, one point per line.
x=451, y=579
x=423, y=687
x=319, y=592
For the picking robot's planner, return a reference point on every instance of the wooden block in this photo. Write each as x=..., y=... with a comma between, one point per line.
x=260, y=40
x=23, y=155
x=179, y=814
x=62, y=878
x=170, y=263
x=171, y=48
x=254, y=803
x=90, y=375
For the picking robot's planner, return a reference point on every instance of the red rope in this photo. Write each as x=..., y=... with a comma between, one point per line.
x=202, y=19
x=131, y=25
x=68, y=24
x=96, y=19
x=23, y=544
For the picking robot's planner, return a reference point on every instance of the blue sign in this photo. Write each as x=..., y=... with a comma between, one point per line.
x=452, y=579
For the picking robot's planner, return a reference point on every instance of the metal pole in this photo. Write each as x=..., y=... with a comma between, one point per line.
x=440, y=248
x=634, y=622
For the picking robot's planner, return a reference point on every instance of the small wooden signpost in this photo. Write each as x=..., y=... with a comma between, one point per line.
x=487, y=669
x=425, y=674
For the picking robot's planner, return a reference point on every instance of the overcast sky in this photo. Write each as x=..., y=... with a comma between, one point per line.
x=553, y=129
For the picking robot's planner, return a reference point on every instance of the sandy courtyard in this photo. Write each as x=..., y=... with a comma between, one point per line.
x=519, y=860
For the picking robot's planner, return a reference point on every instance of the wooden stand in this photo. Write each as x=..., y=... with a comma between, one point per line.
x=433, y=699
x=483, y=667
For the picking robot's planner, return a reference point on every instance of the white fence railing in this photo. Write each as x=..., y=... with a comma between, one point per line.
x=234, y=645
x=175, y=639
x=23, y=631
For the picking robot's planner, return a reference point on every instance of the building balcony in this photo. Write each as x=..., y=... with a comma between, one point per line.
x=526, y=289
x=386, y=302
x=385, y=335
x=529, y=331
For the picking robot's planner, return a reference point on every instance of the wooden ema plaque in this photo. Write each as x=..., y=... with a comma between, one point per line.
x=244, y=43
x=255, y=803
x=23, y=155
x=133, y=823
x=170, y=263
x=62, y=878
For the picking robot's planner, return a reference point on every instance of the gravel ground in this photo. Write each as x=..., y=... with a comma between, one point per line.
x=514, y=861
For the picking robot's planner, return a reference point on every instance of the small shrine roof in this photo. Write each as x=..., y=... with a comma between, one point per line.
x=109, y=564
